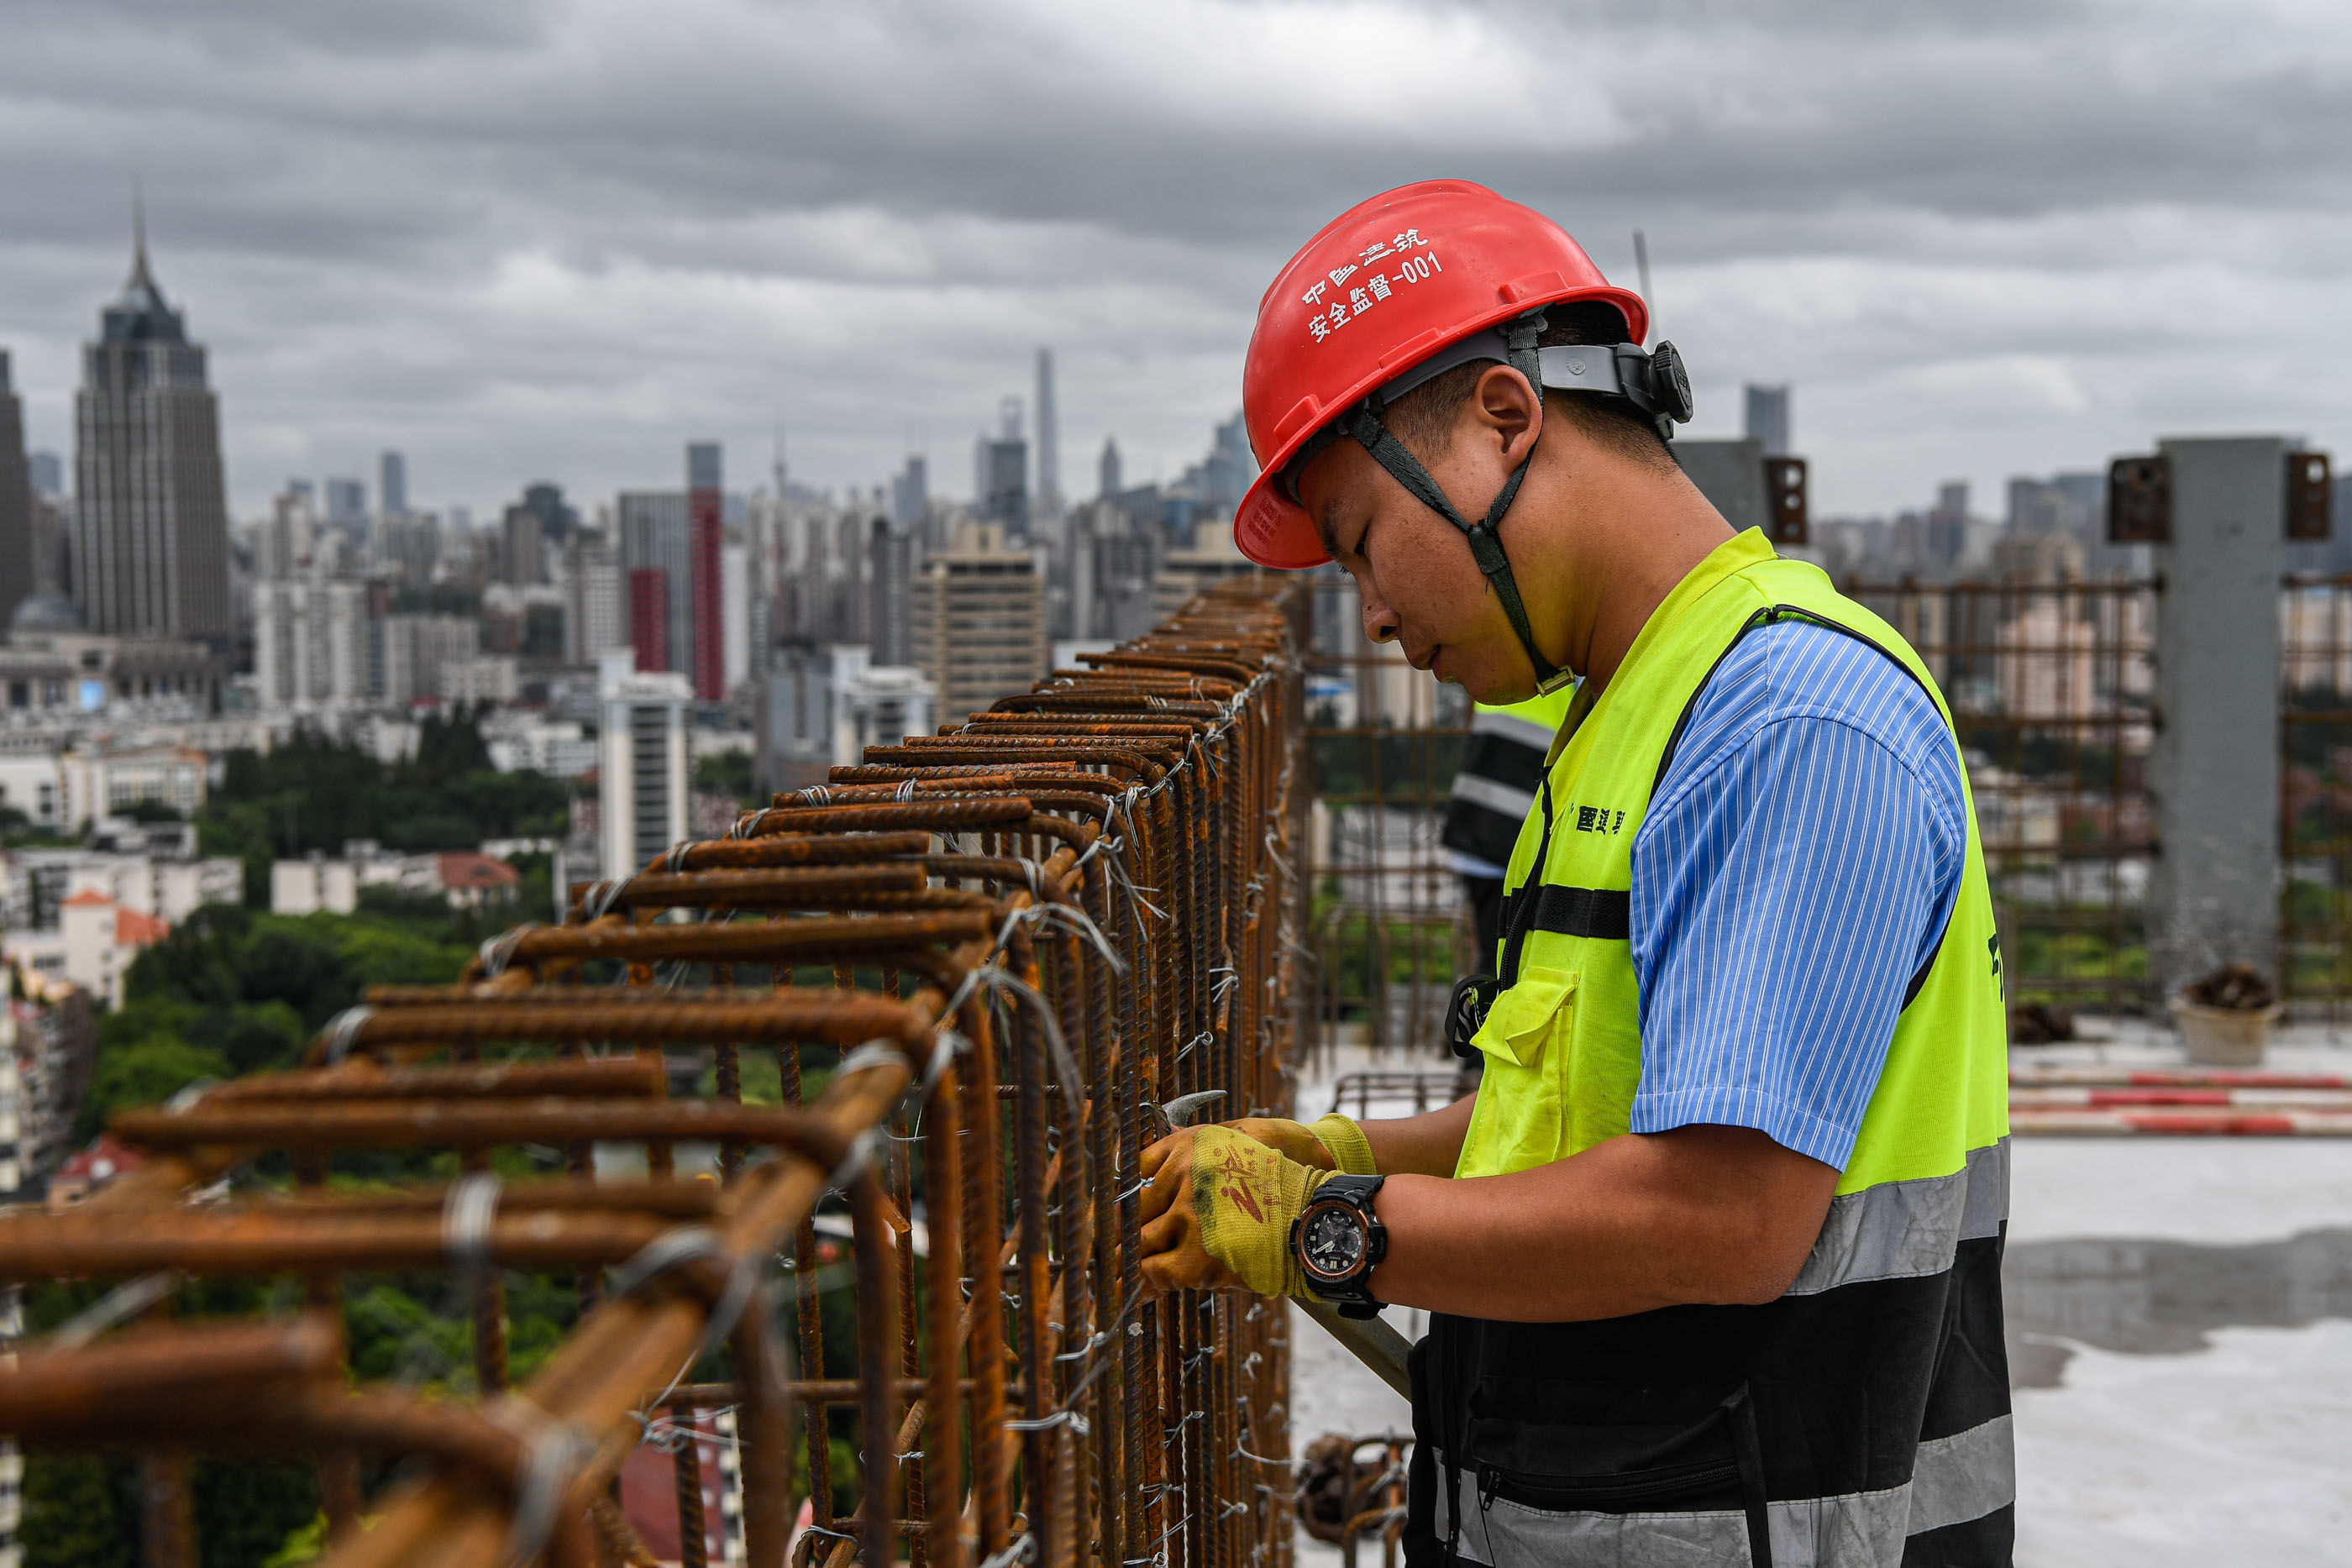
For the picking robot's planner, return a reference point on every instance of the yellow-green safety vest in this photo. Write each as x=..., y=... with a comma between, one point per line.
x=1866, y=1411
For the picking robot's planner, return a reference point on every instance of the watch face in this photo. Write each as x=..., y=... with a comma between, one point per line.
x=1332, y=1241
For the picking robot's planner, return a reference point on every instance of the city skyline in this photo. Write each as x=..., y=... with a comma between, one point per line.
x=1992, y=241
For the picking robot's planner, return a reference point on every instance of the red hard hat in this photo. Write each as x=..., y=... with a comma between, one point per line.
x=1384, y=286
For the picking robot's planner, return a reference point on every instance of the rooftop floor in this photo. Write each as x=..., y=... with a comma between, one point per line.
x=2180, y=1323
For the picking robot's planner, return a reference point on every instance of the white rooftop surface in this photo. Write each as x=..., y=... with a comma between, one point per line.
x=2232, y=1445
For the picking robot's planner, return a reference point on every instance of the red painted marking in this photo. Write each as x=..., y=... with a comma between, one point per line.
x=2104, y=1098
x=2237, y=1126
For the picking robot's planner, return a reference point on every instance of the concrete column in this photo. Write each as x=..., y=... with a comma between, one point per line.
x=2214, y=765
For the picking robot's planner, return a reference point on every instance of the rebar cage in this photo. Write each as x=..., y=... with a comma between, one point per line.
x=981, y=971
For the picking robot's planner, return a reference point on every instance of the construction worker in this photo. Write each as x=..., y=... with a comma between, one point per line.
x=1712, y=1256
x=1494, y=790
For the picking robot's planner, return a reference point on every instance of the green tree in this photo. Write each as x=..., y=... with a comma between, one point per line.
x=144, y=1075
x=299, y=965
x=245, y=1507
x=74, y=1515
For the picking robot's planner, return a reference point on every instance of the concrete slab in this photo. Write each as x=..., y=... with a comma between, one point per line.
x=2184, y=1189
x=2226, y=1442
x=2236, y=1454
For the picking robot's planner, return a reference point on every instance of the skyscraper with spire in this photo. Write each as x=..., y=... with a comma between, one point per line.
x=1049, y=440
x=150, y=513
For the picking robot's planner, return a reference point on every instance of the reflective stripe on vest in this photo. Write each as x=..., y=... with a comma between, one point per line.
x=1879, y=1383
x=1956, y=1481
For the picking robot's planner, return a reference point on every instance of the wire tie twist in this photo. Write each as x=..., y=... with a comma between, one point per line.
x=467, y=1215
x=125, y=1300
x=684, y=1244
x=602, y=896
x=876, y=1053
x=498, y=952
x=854, y=1163
x=553, y=1451
x=343, y=1032
x=1022, y=1551
x=951, y=1043
x=1071, y=1419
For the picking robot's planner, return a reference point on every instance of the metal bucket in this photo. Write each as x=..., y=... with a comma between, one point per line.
x=2223, y=1037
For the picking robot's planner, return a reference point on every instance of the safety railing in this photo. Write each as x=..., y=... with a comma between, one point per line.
x=1388, y=922
x=2315, y=804
x=977, y=974
x=2050, y=685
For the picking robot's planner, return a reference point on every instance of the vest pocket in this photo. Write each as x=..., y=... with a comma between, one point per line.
x=1612, y=1470
x=1706, y=1464
x=1521, y=1118
x=1521, y=1018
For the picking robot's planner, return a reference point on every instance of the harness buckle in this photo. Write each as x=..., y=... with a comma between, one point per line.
x=1465, y=1014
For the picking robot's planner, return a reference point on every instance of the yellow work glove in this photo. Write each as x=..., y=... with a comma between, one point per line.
x=1334, y=1144
x=1218, y=1213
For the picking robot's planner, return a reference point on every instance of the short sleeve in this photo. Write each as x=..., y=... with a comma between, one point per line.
x=1796, y=869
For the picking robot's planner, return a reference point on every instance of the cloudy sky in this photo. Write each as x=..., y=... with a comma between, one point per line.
x=560, y=238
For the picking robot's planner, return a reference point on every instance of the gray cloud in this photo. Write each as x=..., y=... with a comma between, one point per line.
x=559, y=238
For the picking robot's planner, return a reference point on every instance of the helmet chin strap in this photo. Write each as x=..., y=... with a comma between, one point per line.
x=1485, y=544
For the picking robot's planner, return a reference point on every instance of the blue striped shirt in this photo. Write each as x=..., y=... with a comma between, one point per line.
x=1796, y=868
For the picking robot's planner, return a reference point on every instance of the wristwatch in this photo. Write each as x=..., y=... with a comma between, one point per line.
x=1338, y=1240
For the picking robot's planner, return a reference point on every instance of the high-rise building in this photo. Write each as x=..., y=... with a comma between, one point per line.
x=735, y=580
x=1185, y=573
x=594, y=623
x=910, y=495
x=347, y=505
x=1768, y=419
x=1049, y=440
x=650, y=618
x=47, y=471
x=1948, y=523
x=794, y=720
x=1001, y=474
x=391, y=482
x=315, y=641
x=875, y=705
x=891, y=558
x=641, y=764
x=409, y=542
x=1108, y=470
x=151, y=512
x=522, y=550
x=16, y=545
x=980, y=621
x=654, y=540
x=556, y=518
x=706, y=511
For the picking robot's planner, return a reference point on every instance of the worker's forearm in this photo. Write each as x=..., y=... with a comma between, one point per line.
x=1426, y=1145
x=1700, y=1215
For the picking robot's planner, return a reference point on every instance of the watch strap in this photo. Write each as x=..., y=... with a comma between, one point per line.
x=1353, y=1295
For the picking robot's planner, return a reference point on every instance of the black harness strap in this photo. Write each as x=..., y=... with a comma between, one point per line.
x=1599, y=911
x=1485, y=545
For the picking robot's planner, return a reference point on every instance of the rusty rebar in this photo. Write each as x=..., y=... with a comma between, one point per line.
x=1031, y=929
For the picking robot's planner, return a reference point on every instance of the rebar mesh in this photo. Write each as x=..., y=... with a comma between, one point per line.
x=979, y=964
